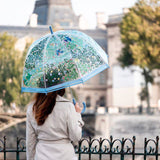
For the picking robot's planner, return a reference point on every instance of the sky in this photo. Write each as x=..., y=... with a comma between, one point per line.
x=17, y=12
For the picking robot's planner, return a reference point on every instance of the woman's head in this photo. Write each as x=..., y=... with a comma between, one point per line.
x=44, y=104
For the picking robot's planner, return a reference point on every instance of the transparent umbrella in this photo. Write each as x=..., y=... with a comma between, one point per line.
x=62, y=59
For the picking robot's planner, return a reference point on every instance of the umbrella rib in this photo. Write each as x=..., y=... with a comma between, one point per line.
x=44, y=74
x=76, y=66
x=71, y=56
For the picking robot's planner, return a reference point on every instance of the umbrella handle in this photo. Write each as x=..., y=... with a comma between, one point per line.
x=84, y=105
x=74, y=101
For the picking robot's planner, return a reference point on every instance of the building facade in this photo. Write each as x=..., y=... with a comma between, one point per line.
x=56, y=13
x=124, y=85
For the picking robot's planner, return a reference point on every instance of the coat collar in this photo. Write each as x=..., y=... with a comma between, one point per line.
x=61, y=99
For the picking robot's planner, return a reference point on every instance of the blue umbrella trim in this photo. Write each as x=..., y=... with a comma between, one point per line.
x=66, y=84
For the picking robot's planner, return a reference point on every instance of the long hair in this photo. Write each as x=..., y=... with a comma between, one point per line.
x=44, y=105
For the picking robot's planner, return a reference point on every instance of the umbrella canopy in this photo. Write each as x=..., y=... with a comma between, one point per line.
x=62, y=59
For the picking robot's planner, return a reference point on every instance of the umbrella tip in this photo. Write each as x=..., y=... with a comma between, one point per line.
x=50, y=27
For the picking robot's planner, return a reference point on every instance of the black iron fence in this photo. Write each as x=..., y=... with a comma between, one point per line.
x=88, y=148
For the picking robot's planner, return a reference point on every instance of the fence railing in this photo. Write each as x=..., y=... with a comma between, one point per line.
x=96, y=147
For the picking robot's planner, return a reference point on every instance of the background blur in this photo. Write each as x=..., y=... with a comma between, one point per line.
x=117, y=99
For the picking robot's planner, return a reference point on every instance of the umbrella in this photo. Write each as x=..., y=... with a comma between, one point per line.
x=62, y=59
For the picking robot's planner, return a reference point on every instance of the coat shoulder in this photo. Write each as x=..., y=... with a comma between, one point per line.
x=30, y=108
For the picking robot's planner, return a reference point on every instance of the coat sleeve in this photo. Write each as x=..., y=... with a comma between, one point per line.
x=74, y=123
x=31, y=139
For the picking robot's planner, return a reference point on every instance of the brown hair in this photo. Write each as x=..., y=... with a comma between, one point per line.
x=44, y=104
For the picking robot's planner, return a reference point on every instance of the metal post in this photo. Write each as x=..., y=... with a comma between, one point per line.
x=111, y=145
x=122, y=149
x=145, y=148
x=79, y=150
x=90, y=147
x=133, y=152
x=17, y=153
x=4, y=147
x=100, y=149
x=157, y=140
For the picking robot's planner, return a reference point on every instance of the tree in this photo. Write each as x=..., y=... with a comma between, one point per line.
x=11, y=68
x=6, y=51
x=140, y=34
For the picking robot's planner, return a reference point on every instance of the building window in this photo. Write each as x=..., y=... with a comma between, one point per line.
x=102, y=78
x=88, y=101
x=102, y=101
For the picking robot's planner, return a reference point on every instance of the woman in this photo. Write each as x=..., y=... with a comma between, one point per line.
x=52, y=123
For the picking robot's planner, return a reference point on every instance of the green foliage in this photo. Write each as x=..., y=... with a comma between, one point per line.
x=140, y=34
x=11, y=67
x=64, y=72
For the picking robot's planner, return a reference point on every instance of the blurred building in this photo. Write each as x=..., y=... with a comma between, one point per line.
x=56, y=13
x=124, y=85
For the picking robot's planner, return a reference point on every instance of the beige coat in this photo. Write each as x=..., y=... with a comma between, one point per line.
x=52, y=140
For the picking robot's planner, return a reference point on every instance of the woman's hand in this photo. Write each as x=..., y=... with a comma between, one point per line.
x=78, y=108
